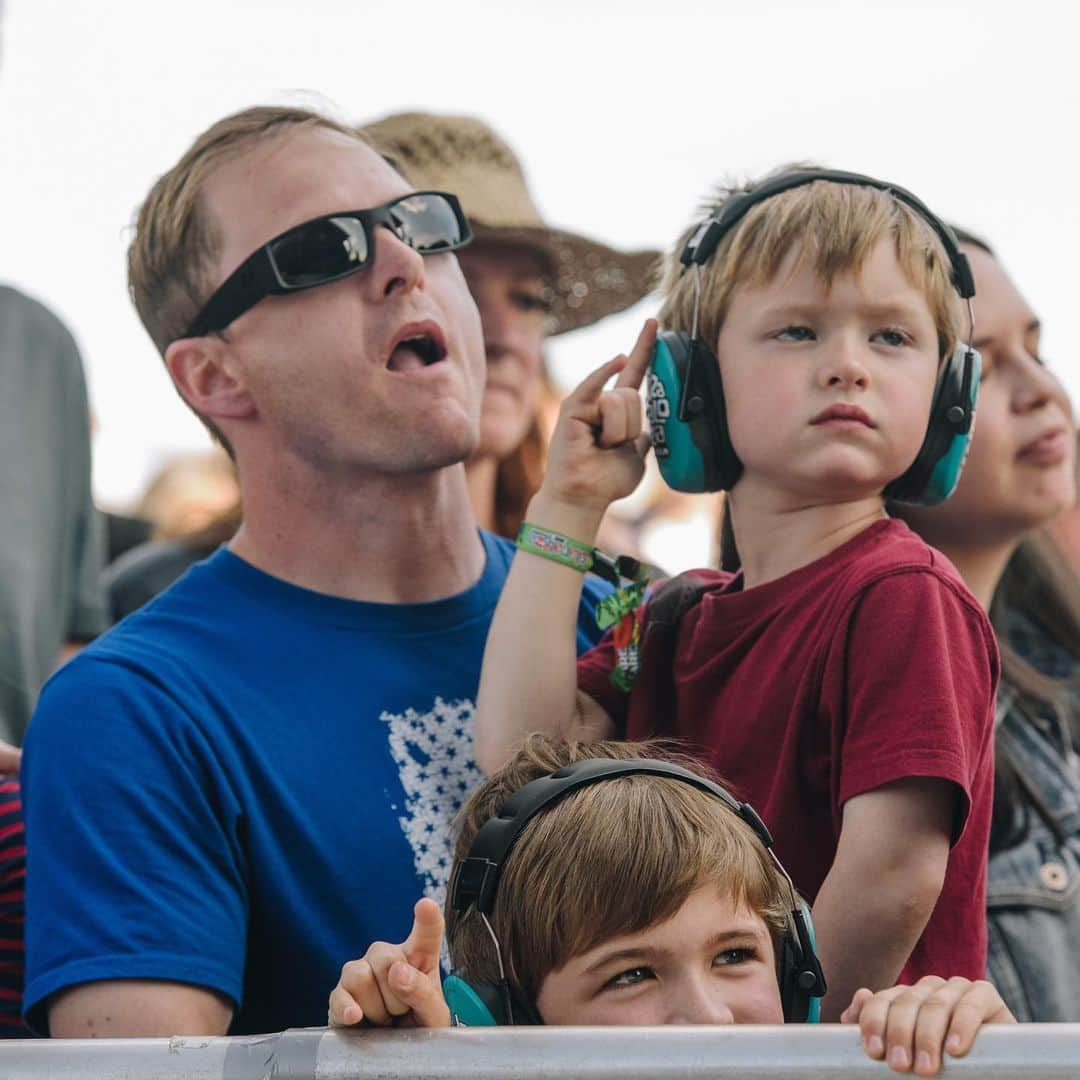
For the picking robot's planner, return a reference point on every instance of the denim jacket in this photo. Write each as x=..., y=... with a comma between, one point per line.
x=1033, y=894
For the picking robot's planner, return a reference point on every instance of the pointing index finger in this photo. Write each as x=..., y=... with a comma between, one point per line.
x=640, y=357
x=424, y=943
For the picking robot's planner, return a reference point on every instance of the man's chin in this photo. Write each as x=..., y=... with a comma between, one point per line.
x=441, y=453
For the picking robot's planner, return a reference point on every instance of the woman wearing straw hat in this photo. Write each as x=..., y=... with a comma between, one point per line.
x=530, y=281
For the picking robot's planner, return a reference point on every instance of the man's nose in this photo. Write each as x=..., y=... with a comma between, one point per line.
x=699, y=1000
x=396, y=265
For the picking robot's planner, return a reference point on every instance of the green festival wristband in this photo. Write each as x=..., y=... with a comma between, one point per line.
x=556, y=547
x=549, y=544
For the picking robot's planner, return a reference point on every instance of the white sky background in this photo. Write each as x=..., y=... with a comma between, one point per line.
x=624, y=114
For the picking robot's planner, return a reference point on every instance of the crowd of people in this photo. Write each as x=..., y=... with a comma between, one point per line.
x=394, y=669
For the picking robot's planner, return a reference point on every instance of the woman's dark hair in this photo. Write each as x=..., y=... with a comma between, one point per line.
x=1041, y=587
x=519, y=474
x=517, y=480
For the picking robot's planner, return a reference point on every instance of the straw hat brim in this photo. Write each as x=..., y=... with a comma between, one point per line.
x=464, y=155
x=589, y=280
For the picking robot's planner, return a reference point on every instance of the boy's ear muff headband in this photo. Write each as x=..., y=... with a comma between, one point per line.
x=475, y=882
x=685, y=398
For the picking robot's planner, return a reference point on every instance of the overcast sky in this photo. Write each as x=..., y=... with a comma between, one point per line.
x=624, y=114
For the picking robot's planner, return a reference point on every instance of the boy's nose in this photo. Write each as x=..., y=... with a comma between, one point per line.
x=844, y=367
x=699, y=1001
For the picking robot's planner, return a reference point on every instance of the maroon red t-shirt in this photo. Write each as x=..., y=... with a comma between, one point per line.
x=871, y=664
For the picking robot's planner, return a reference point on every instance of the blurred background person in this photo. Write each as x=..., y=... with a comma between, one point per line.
x=188, y=493
x=50, y=535
x=123, y=528
x=1066, y=528
x=192, y=507
x=1019, y=477
x=530, y=281
x=50, y=564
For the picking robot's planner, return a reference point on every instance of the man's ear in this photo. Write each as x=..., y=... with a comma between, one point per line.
x=206, y=378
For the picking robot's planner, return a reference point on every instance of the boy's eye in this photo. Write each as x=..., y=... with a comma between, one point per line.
x=893, y=337
x=796, y=333
x=630, y=977
x=740, y=955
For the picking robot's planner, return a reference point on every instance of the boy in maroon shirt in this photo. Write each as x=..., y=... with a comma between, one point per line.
x=843, y=680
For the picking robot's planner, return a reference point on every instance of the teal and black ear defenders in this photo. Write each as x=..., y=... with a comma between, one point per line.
x=685, y=396
x=476, y=879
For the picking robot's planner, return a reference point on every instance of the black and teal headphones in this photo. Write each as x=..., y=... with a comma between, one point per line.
x=475, y=881
x=685, y=397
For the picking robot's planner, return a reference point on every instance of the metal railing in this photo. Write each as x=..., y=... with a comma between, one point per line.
x=831, y=1052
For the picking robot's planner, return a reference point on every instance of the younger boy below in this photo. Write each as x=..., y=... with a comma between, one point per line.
x=666, y=909
x=843, y=681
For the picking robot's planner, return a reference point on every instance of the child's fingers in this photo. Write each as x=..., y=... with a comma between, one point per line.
x=422, y=993
x=640, y=356
x=920, y=1007
x=980, y=1003
x=619, y=417
x=343, y=1010
x=932, y=1023
x=851, y=1014
x=588, y=391
x=380, y=957
x=358, y=986
x=424, y=943
x=873, y=1016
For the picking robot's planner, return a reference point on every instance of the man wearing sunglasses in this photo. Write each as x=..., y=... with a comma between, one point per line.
x=281, y=739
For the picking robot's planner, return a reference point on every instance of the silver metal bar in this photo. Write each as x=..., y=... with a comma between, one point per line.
x=830, y=1052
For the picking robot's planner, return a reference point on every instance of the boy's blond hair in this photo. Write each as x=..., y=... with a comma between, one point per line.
x=833, y=226
x=609, y=859
x=177, y=241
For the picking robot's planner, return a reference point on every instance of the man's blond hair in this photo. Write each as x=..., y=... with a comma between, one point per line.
x=833, y=227
x=609, y=859
x=172, y=256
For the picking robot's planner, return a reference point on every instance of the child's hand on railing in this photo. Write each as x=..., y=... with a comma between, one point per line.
x=396, y=985
x=910, y=1026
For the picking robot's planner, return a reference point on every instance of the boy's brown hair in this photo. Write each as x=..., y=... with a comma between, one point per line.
x=609, y=859
x=834, y=226
x=176, y=242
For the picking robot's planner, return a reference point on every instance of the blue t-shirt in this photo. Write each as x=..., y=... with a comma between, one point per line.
x=245, y=783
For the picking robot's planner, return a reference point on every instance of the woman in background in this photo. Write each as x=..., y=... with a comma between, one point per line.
x=1019, y=476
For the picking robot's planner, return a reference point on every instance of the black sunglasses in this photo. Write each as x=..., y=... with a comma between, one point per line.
x=332, y=247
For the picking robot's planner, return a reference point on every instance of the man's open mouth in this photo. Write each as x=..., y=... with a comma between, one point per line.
x=416, y=349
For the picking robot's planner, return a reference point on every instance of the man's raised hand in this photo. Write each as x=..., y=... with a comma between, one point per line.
x=396, y=985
